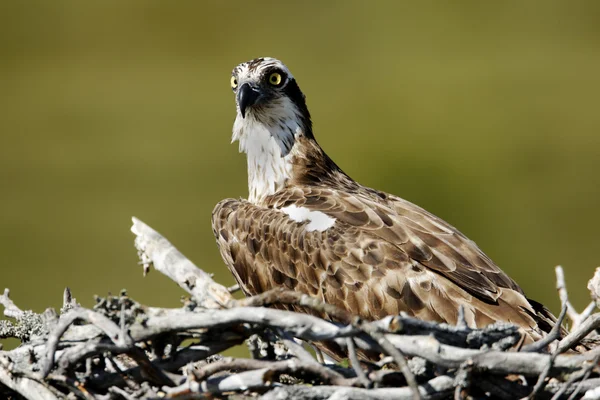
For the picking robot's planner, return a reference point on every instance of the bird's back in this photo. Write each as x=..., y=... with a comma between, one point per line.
x=382, y=255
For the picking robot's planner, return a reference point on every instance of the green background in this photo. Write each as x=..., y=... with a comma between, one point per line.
x=485, y=113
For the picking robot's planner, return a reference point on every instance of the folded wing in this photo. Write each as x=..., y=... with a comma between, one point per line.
x=382, y=256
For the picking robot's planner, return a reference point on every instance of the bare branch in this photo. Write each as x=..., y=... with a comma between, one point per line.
x=10, y=308
x=362, y=377
x=576, y=318
x=579, y=333
x=118, y=336
x=551, y=337
x=295, y=367
x=26, y=387
x=154, y=249
x=436, y=388
x=122, y=349
x=234, y=288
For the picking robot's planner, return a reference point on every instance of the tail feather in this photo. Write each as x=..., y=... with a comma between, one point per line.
x=545, y=319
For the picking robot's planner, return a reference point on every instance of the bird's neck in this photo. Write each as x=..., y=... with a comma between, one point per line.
x=274, y=165
x=270, y=151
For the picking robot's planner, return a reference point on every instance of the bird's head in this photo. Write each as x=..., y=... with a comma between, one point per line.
x=268, y=99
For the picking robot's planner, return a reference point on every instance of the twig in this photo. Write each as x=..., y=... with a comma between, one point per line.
x=318, y=354
x=68, y=301
x=183, y=357
x=462, y=379
x=234, y=288
x=292, y=366
x=563, y=390
x=541, y=382
x=552, y=336
x=121, y=392
x=384, y=361
x=102, y=322
x=154, y=249
x=579, y=333
x=279, y=296
x=587, y=311
x=362, y=377
x=576, y=318
x=586, y=373
x=10, y=308
x=299, y=325
x=399, y=359
x=28, y=388
x=249, y=379
x=296, y=349
x=437, y=388
x=71, y=384
x=497, y=362
x=311, y=328
x=561, y=286
x=116, y=368
x=122, y=340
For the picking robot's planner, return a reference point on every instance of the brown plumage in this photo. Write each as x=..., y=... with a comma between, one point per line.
x=382, y=255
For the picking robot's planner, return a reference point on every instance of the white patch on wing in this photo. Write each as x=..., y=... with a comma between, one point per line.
x=318, y=221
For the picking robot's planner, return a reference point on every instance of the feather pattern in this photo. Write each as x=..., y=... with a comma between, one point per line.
x=377, y=254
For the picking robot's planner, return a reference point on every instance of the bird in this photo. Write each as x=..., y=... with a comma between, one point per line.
x=308, y=227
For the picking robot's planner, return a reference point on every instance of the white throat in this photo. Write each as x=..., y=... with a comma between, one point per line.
x=268, y=171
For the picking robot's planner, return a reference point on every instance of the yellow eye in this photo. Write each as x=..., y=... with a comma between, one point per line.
x=275, y=79
x=233, y=82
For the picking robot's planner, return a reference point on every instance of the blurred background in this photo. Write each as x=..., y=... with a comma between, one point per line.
x=485, y=113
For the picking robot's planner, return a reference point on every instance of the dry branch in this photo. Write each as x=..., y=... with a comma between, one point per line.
x=124, y=350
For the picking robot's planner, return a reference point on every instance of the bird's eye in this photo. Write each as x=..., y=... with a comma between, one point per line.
x=233, y=82
x=275, y=79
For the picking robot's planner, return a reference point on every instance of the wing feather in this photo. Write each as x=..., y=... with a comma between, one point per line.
x=414, y=231
x=381, y=257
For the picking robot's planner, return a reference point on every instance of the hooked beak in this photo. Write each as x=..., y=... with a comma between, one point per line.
x=246, y=97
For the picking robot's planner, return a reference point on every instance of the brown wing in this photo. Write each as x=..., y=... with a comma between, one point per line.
x=382, y=256
x=425, y=238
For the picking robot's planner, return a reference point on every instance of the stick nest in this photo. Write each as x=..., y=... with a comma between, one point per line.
x=121, y=349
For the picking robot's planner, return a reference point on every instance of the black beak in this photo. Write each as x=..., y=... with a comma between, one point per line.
x=246, y=96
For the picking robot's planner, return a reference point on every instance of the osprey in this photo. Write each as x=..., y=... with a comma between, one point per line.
x=308, y=227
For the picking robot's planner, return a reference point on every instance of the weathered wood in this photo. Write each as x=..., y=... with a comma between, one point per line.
x=122, y=349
